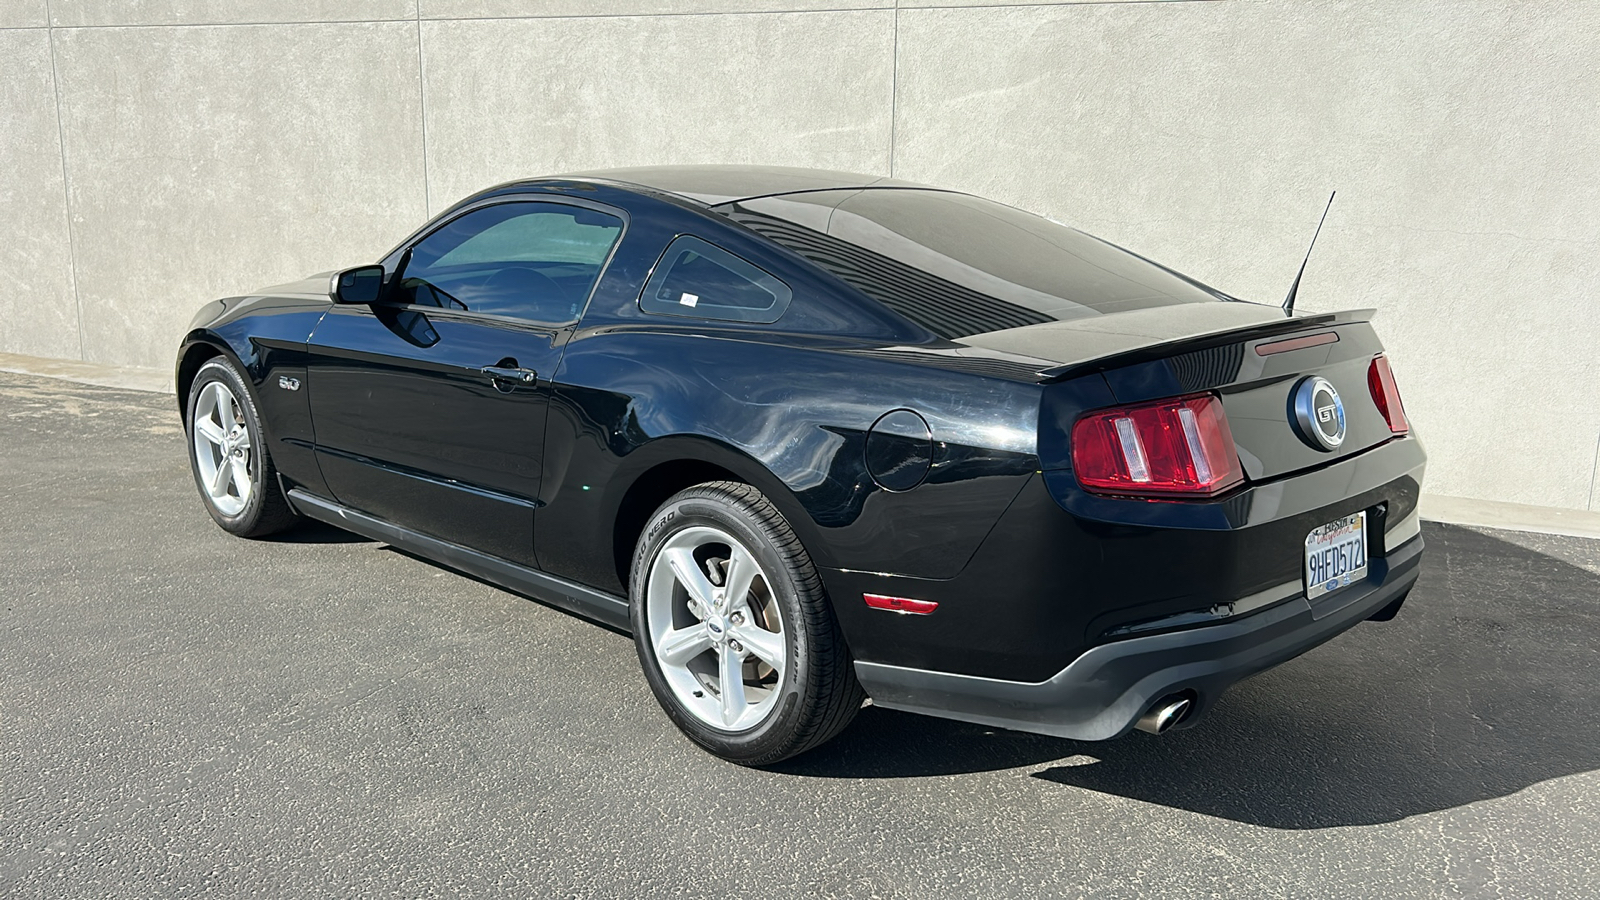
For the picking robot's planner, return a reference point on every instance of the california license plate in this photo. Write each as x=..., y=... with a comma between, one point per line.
x=1336, y=555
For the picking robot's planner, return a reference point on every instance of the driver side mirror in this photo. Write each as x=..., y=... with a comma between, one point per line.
x=363, y=284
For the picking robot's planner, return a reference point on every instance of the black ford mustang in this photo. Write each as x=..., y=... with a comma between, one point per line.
x=809, y=435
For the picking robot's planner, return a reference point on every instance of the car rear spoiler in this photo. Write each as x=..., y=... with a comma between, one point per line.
x=1165, y=349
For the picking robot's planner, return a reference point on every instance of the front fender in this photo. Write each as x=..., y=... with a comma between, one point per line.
x=265, y=337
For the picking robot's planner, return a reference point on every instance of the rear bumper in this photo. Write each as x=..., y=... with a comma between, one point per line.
x=1104, y=691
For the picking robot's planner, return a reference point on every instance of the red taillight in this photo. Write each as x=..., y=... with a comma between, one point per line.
x=1181, y=446
x=1386, y=394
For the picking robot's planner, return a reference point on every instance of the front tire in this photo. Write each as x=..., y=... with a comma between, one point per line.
x=733, y=629
x=228, y=454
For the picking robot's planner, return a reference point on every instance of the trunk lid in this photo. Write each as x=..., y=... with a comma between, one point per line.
x=1241, y=352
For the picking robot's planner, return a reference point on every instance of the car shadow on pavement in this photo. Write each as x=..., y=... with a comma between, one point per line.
x=311, y=531
x=1484, y=685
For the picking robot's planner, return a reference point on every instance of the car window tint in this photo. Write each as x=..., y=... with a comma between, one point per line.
x=961, y=265
x=535, y=261
x=701, y=280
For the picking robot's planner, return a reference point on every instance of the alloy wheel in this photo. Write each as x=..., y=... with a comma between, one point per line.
x=715, y=628
x=222, y=449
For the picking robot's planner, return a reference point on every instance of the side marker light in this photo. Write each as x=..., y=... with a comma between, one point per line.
x=900, y=604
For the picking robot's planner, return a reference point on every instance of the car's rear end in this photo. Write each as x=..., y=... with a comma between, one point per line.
x=1220, y=487
x=1263, y=447
x=1188, y=528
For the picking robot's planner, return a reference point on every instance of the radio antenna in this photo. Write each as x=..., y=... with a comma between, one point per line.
x=1288, y=302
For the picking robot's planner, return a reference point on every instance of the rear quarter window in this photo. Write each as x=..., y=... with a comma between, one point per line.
x=696, y=279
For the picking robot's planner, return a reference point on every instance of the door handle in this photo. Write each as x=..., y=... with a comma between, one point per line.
x=501, y=374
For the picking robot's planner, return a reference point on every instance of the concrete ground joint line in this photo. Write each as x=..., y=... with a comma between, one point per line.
x=132, y=378
x=1570, y=521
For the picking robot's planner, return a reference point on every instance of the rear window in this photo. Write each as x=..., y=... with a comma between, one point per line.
x=701, y=280
x=960, y=265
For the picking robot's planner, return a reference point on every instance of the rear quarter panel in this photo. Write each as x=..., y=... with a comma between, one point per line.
x=792, y=420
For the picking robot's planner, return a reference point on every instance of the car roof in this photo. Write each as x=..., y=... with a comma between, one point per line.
x=715, y=185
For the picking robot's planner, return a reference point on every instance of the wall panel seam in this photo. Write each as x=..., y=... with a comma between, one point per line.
x=1594, y=475
x=669, y=15
x=536, y=16
x=530, y=17
x=132, y=25
x=894, y=89
x=422, y=119
x=66, y=181
x=1043, y=3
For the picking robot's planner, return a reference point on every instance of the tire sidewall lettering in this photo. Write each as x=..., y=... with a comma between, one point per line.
x=661, y=521
x=686, y=513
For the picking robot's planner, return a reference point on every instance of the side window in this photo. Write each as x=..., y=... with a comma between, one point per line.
x=536, y=261
x=694, y=278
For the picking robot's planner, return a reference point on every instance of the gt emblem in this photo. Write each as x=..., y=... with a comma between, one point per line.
x=1317, y=413
x=288, y=384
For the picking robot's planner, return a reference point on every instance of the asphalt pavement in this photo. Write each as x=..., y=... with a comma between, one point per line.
x=184, y=713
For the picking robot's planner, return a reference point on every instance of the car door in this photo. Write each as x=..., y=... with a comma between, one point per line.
x=429, y=405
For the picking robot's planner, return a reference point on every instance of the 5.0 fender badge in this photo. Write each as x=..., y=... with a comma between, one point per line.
x=1317, y=413
x=288, y=384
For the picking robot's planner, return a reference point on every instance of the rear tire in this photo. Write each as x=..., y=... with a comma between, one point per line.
x=722, y=593
x=228, y=454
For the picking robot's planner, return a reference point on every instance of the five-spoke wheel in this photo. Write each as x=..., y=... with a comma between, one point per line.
x=228, y=455
x=715, y=630
x=221, y=448
x=735, y=633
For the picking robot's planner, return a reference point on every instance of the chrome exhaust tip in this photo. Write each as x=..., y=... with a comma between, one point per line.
x=1166, y=713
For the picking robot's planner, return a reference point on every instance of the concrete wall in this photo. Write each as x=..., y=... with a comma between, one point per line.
x=158, y=153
